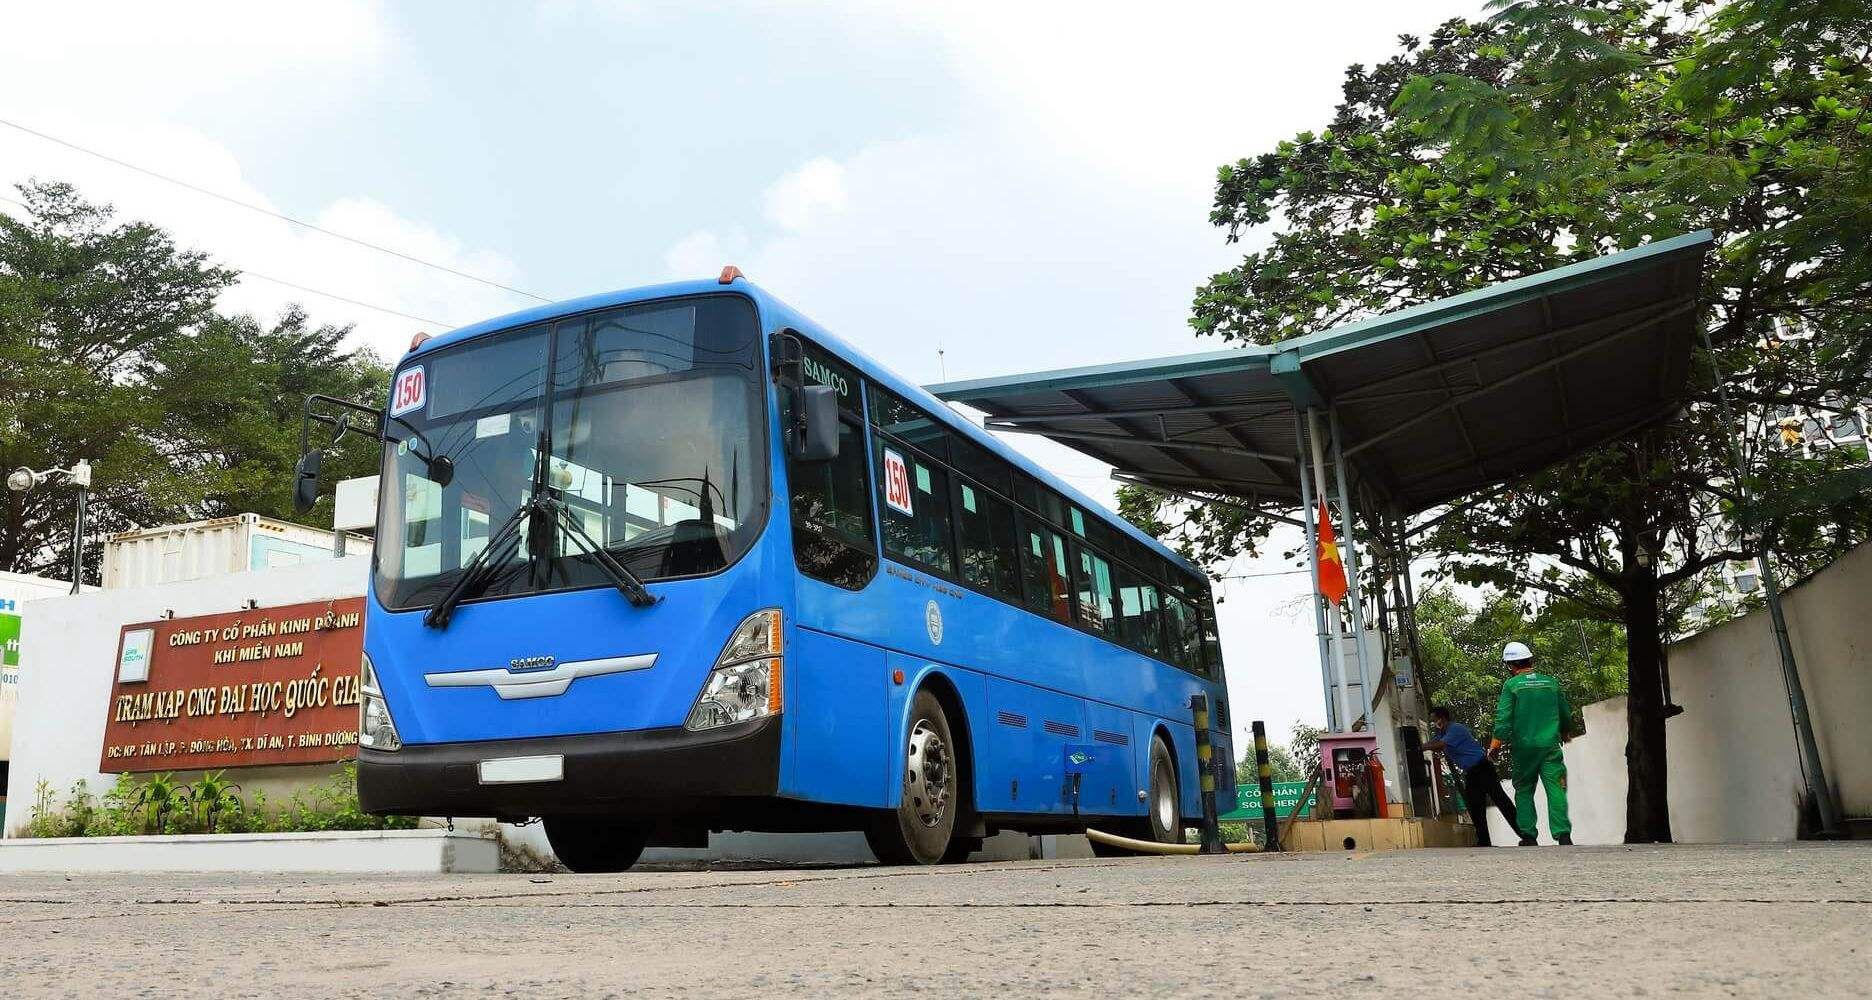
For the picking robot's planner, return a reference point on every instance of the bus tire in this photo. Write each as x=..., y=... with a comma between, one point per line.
x=919, y=830
x=1163, y=810
x=1160, y=789
x=595, y=844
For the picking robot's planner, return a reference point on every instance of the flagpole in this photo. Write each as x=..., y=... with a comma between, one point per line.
x=1346, y=716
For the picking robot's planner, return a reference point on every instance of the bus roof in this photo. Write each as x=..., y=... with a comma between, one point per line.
x=777, y=315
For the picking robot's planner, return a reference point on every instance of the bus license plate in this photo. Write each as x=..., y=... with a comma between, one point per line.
x=513, y=770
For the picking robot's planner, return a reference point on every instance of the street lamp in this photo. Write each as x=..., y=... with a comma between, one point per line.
x=22, y=479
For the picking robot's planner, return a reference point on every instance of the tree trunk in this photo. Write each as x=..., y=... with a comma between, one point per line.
x=1647, y=803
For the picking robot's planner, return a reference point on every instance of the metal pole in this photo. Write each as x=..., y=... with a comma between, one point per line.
x=1264, y=769
x=1206, y=780
x=1338, y=634
x=1319, y=602
x=1352, y=572
x=1817, y=786
x=78, y=542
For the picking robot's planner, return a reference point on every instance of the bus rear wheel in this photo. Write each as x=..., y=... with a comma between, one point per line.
x=595, y=844
x=919, y=830
x=1162, y=822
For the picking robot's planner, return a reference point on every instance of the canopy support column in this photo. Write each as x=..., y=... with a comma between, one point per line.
x=1319, y=600
x=1352, y=571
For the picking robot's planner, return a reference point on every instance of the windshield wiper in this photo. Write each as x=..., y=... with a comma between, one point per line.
x=501, y=546
x=628, y=583
x=505, y=543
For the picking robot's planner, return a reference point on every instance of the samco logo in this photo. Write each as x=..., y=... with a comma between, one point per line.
x=525, y=663
x=825, y=376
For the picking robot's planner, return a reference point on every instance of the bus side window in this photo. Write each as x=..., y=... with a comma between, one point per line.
x=1140, y=617
x=833, y=539
x=1094, y=583
x=1185, y=632
x=985, y=525
x=913, y=500
x=1211, y=640
x=1044, y=574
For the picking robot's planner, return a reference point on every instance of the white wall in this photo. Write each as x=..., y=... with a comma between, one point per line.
x=70, y=643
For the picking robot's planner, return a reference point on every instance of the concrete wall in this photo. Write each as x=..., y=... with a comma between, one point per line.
x=1735, y=772
x=71, y=645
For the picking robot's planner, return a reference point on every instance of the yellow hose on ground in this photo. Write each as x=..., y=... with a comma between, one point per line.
x=1152, y=847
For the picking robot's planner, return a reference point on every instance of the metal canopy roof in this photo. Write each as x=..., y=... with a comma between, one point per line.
x=1433, y=402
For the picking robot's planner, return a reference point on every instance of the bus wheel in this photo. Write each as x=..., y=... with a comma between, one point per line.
x=1161, y=822
x=918, y=831
x=594, y=844
x=1165, y=814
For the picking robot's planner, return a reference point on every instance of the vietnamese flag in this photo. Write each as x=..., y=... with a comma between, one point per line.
x=1332, y=581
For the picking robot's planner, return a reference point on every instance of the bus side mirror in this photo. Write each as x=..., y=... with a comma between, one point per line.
x=305, y=480
x=816, y=432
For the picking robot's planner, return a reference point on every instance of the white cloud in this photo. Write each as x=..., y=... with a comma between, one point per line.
x=249, y=241
x=145, y=65
x=814, y=191
x=703, y=253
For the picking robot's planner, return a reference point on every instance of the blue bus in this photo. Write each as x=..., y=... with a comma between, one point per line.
x=675, y=560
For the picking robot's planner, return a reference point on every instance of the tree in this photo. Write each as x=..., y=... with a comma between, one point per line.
x=1281, y=764
x=111, y=351
x=1558, y=132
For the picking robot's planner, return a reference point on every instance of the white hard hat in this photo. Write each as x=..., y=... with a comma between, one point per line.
x=1516, y=652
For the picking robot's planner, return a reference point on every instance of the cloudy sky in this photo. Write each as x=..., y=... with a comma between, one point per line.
x=1015, y=186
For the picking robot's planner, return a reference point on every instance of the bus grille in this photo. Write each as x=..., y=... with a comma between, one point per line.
x=1116, y=739
x=1010, y=719
x=1059, y=728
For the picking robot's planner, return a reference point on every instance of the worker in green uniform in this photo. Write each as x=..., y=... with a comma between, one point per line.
x=1533, y=717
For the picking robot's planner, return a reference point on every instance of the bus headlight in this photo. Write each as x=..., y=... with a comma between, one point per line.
x=375, y=728
x=746, y=680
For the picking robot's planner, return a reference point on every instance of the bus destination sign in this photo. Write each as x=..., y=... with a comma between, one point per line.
x=255, y=687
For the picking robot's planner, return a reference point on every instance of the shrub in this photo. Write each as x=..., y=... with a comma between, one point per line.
x=158, y=804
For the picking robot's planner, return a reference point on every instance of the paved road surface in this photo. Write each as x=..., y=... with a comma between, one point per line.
x=1783, y=921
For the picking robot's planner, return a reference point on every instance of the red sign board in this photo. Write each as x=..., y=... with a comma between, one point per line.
x=247, y=688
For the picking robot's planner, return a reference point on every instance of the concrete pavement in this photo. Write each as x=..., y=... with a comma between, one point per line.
x=1783, y=920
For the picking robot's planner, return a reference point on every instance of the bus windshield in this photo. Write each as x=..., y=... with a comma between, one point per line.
x=650, y=415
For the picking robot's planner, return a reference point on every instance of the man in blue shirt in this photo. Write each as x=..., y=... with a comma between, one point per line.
x=1481, y=785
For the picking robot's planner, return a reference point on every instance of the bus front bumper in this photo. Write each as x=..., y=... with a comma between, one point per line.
x=643, y=772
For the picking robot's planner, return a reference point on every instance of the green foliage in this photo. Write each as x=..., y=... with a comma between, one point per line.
x=111, y=350
x=1293, y=762
x=159, y=804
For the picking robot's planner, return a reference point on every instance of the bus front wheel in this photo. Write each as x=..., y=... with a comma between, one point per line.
x=595, y=844
x=919, y=830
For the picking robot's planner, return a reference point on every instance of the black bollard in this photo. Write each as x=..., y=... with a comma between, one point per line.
x=1265, y=769
x=1205, y=766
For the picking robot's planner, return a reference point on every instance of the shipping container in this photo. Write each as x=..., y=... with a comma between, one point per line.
x=16, y=591
x=211, y=548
